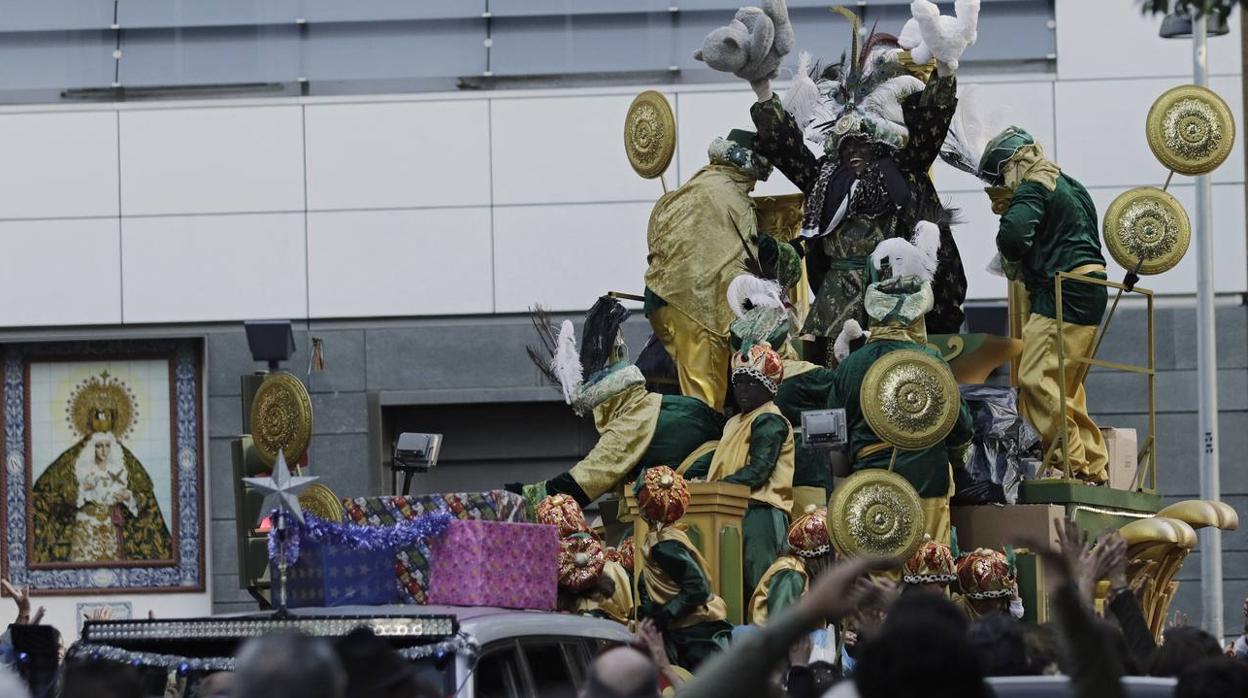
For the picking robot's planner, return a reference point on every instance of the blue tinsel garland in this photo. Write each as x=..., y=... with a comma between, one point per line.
x=401, y=534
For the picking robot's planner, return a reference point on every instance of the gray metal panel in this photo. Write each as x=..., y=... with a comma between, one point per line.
x=59, y=60
x=42, y=15
x=579, y=44
x=417, y=49
x=195, y=13
x=523, y=8
x=210, y=56
x=371, y=10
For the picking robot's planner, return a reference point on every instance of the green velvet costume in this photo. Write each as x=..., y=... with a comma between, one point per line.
x=1045, y=232
x=807, y=390
x=683, y=424
x=927, y=470
x=687, y=646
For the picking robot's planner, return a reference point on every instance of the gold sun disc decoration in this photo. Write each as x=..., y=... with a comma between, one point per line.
x=876, y=512
x=1146, y=229
x=102, y=403
x=650, y=134
x=1190, y=129
x=321, y=502
x=281, y=418
x=910, y=399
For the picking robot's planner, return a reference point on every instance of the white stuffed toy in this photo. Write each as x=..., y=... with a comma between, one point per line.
x=753, y=44
x=929, y=35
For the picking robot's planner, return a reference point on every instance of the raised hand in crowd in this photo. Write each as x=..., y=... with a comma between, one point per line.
x=21, y=597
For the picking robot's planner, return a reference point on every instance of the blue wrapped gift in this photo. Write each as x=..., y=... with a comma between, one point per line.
x=334, y=575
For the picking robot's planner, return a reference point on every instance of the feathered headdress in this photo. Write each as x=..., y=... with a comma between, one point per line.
x=859, y=96
x=980, y=139
x=910, y=259
x=582, y=376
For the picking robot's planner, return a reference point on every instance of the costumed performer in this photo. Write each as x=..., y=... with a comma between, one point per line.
x=756, y=450
x=674, y=590
x=930, y=569
x=880, y=129
x=788, y=578
x=897, y=307
x=590, y=581
x=636, y=428
x=699, y=235
x=763, y=317
x=989, y=584
x=1048, y=225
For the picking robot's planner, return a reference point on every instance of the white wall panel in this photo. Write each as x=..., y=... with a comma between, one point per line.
x=1100, y=131
x=1111, y=39
x=701, y=116
x=976, y=238
x=60, y=272
x=564, y=257
x=564, y=149
x=1229, y=259
x=58, y=165
x=398, y=155
x=209, y=268
x=386, y=263
x=1025, y=104
x=211, y=160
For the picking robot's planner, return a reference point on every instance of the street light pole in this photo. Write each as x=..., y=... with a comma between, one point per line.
x=1207, y=366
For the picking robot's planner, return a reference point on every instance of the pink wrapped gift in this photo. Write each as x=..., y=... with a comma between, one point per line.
x=495, y=563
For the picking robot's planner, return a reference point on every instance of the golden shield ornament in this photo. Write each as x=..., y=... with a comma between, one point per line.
x=910, y=399
x=876, y=512
x=321, y=502
x=650, y=134
x=1146, y=228
x=1190, y=129
x=281, y=418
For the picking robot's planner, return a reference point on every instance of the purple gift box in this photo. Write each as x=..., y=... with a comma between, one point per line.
x=493, y=563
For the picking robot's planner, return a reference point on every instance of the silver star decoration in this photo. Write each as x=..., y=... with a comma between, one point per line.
x=280, y=489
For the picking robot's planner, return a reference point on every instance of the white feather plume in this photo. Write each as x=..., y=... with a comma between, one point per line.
x=886, y=99
x=973, y=125
x=802, y=98
x=849, y=332
x=566, y=363
x=748, y=291
x=910, y=259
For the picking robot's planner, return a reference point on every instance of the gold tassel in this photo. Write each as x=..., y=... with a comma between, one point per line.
x=318, y=355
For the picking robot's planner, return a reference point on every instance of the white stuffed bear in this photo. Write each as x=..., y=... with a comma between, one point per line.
x=928, y=35
x=753, y=44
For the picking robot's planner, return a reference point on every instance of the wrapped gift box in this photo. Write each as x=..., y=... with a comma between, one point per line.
x=411, y=564
x=331, y=575
x=489, y=563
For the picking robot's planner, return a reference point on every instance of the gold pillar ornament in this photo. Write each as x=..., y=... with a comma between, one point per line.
x=1190, y=129
x=1146, y=230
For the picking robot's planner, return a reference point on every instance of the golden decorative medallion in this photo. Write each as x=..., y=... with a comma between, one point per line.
x=281, y=418
x=1146, y=224
x=876, y=512
x=321, y=502
x=910, y=399
x=650, y=134
x=102, y=403
x=1190, y=129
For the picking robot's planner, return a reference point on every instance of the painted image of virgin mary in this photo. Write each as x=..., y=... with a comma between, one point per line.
x=95, y=503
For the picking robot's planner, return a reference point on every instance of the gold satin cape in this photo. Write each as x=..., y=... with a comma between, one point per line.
x=734, y=450
x=758, y=600
x=662, y=589
x=625, y=424
x=697, y=239
x=620, y=605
